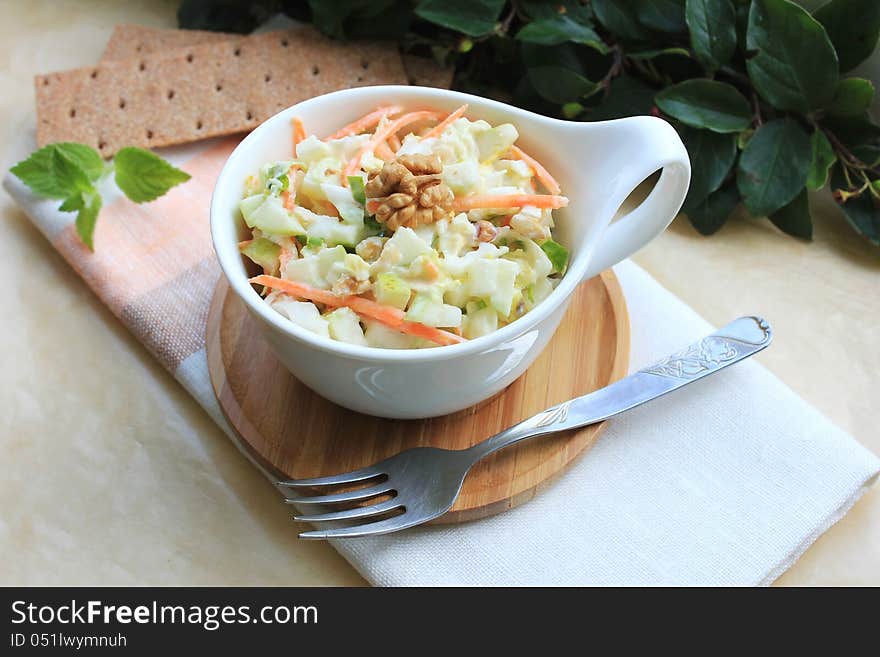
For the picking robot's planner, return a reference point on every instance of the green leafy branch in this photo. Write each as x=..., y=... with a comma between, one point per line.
x=755, y=87
x=72, y=172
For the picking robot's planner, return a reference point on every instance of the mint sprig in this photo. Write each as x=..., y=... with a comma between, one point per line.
x=70, y=172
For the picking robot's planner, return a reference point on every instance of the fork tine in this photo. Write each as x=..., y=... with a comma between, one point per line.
x=348, y=496
x=333, y=480
x=387, y=526
x=353, y=514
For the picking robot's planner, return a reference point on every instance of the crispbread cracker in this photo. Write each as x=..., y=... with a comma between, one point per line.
x=131, y=40
x=172, y=97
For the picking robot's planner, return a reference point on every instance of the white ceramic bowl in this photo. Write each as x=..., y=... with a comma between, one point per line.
x=597, y=165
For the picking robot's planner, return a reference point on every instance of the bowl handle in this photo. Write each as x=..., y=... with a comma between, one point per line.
x=654, y=144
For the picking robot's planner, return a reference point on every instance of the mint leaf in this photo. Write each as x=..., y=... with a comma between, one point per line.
x=796, y=66
x=712, y=25
x=72, y=203
x=853, y=27
x=557, y=254
x=774, y=166
x=716, y=106
x=712, y=156
x=144, y=176
x=85, y=157
x=708, y=216
x=794, y=218
x=86, y=219
x=852, y=97
x=58, y=170
x=471, y=17
x=821, y=162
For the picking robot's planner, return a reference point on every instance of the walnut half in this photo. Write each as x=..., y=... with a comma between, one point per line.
x=410, y=192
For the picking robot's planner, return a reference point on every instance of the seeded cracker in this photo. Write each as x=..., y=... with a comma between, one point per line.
x=131, y=40
x=181, y=95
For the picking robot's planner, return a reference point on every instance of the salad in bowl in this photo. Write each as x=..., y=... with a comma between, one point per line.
x=404, y=229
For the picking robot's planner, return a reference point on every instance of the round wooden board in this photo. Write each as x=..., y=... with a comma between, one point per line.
x=295, y=433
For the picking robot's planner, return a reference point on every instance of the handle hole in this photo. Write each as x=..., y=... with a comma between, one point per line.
x=637, y=196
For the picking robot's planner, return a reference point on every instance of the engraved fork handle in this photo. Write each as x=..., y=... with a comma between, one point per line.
x=737, y=341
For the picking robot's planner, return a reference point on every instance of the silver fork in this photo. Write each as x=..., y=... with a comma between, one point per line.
x=425, y=481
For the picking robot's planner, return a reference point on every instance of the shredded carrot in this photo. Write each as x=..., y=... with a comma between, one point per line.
x=242, y=245
x=465, y=203
x=365, y=122
x=388, y=315
x=288, y=196
x=438, y=129
x=505, y=220
x=382, y=134
x=299, y=132
x=543, y=175
x=384, y=152
x=394, y=143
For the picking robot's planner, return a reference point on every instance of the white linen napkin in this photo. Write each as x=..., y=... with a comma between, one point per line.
x=725, y=482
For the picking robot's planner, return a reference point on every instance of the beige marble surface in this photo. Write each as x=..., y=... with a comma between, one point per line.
x=111, y=474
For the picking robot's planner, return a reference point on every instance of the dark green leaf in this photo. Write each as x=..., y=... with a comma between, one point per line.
x=556, y=73
x=627, y=96
x=794, y=218
x=853, y=27
x=706, y=104
x=620, y=18
x=821, y=162
x=349, y=19
x=144, y=176
x=712, y=25
x=796, y=66
x=774, y=166
x=852, y=97
x=86, y=219
x=224, y=15
x=540, y=9
x=56, y=170
x=560, y=85
x=862, y=212
x=742, y=21
x=868, y=153
x=382, y=20
x=653, y=54
x=712, y=156
x=853, y=131
x=559, y=29
x=707, y=217
x=557, y=254
x=662, y=15
x=472, y=17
